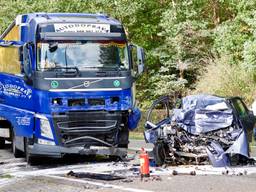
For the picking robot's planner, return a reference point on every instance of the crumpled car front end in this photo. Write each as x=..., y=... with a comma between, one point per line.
x=204, y=130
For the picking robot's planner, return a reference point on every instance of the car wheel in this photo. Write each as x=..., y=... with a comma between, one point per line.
x=2, y=143
x=29, y=158
x=159, y=154
x=114, y=158
x=16, y=152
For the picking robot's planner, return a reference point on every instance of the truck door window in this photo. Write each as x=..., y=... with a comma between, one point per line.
x=134, y=59
x=83, y=55
x=9, y=60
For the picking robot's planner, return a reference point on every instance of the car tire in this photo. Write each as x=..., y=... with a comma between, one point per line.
x=114, y=158
x=2, y=143
x=16, y=152
x=29, y=158
x=159, y=154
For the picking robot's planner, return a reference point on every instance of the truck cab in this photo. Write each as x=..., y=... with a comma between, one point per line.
x=69, y=87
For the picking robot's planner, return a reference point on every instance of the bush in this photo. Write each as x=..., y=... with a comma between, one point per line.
x=226, y=80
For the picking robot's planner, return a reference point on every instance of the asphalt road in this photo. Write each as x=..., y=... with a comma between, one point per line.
x=16, y=176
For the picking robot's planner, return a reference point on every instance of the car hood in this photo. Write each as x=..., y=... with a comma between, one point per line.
x=203, y=113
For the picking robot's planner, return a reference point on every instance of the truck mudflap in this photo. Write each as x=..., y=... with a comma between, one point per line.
x=59, y=151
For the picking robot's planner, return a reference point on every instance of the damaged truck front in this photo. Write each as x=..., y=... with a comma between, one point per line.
x=67, y=85
x=202, y=129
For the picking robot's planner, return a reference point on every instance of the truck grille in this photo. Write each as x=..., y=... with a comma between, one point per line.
x=95, y=128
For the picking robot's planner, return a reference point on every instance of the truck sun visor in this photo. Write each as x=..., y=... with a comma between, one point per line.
x=82, y=36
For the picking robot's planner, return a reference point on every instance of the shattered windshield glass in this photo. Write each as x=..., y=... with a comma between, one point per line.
x=82, y=54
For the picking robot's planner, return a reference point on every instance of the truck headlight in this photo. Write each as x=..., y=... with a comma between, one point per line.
x=45, y=127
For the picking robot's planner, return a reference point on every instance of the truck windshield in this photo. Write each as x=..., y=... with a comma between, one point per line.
x=83, y=55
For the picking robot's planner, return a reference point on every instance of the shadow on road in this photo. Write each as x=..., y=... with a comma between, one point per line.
x=46, y=162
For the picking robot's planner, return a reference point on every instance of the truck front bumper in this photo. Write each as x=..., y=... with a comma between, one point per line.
x=59, y=151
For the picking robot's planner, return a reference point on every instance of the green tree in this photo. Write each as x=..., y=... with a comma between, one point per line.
x=184, y=40
x=186, y=47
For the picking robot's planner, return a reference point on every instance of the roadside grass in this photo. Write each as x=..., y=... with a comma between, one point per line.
x=135, y=135
x=6, y=176
x=156, y=116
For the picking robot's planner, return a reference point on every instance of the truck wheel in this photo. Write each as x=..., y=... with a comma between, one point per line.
x=16, y=152
x=2, y=143
x=159, y=154
x=29, y=159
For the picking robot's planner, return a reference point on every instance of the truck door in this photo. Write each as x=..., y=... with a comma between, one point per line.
x=16, y=103
x=13, y=90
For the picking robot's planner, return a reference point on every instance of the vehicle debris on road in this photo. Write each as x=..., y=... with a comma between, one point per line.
x=174, y=172
x=203, y=129
x=98, y=176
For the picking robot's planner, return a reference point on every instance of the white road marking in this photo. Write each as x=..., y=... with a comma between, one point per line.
x=34, y=171
x=7, y=181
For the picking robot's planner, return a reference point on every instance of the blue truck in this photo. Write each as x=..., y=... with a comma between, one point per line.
x=67, y=85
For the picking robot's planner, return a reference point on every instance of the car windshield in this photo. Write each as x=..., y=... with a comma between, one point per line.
x=83, y=55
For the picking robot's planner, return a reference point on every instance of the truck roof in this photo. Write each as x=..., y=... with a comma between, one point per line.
x=70, y=17
x=49, y=18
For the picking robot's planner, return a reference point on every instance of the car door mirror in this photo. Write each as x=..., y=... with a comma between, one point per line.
x=251, y=114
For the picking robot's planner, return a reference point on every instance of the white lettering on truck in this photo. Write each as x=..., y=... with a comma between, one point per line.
x=82, y=27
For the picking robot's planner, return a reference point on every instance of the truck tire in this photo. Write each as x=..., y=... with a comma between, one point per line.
x=29, y=159
x=16, y=152
x=159, y=154
x=2, y=143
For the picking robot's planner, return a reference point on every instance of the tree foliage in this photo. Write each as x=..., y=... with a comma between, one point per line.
x=184, y=40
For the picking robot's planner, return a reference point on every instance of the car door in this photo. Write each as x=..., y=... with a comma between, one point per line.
x=158, y=114
x=246, y=116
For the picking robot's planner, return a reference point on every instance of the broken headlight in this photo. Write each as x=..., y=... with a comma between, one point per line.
x=45, y=128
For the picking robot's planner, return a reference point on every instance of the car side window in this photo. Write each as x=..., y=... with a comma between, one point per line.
x=240, y=107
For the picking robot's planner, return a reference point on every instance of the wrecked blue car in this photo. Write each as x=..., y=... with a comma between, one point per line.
x=203, y=129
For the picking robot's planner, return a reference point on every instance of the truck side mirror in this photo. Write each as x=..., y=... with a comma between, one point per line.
x=27, y=63
x=138, y=57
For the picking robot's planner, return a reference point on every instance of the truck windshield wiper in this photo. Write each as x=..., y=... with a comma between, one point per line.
x=68, y=72
x=65, y=71
x=101, y=67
